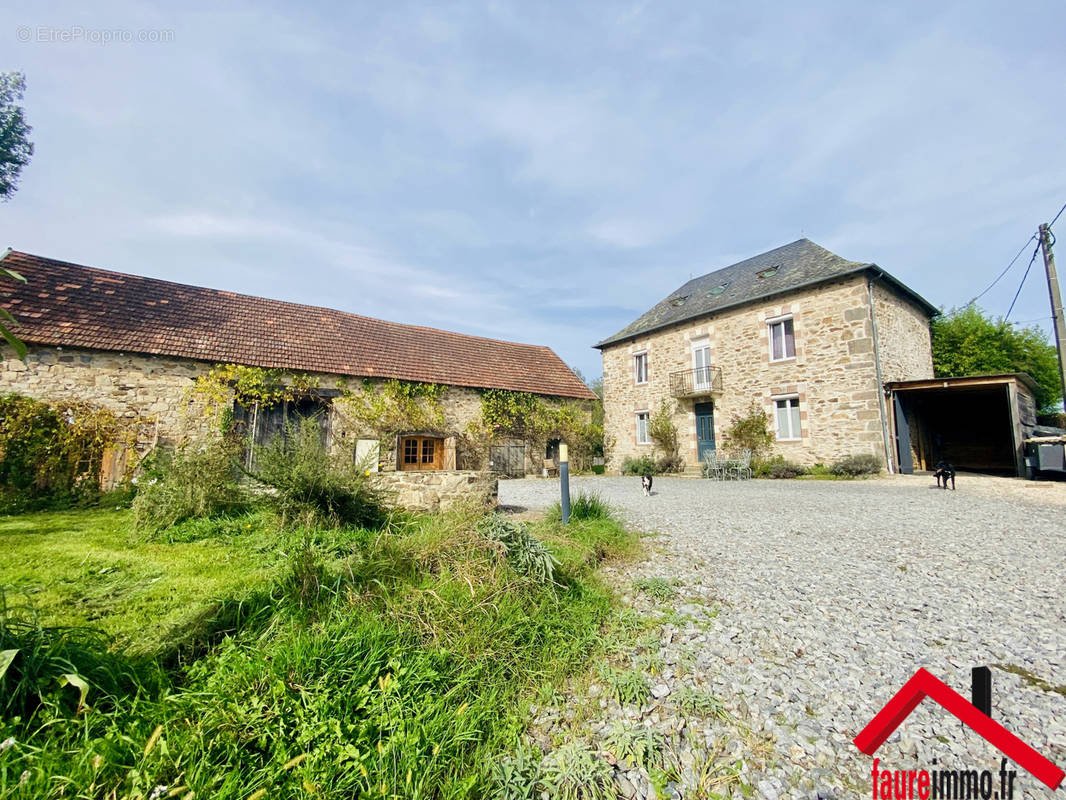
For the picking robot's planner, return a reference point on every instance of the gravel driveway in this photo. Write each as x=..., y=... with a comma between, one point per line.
x=828, y=595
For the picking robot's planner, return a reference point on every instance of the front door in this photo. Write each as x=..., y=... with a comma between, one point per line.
x=704, y=430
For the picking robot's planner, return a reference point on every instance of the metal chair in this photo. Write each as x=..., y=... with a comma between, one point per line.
x=713, y=467
x=740, y=468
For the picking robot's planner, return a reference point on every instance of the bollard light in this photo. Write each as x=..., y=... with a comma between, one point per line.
x=564, y=484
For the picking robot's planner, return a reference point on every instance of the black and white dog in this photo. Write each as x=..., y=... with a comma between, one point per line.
x=645, y=484
x=944, y=471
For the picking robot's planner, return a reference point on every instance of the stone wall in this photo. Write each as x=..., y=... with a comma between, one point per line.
x=154, y=393
x=440, y=490
x=833, y=373
x=149, y=391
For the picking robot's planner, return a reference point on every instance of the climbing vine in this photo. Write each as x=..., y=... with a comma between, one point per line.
x=533, y=419
x=226, y=383
x=394, y=406
x=53, y=449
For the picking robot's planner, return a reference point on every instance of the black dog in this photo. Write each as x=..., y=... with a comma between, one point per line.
x=645, y=484
x=944, y=470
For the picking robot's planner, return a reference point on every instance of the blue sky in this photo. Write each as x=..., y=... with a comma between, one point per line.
x=532, y=171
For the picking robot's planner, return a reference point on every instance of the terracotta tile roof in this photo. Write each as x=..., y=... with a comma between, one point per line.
x=70, y=305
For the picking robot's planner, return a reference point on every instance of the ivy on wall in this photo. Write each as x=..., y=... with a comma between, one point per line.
x=55, y=449
x=535, y=420
x=393, y=406
x=226, y=383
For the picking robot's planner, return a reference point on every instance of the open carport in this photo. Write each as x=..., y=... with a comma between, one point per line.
x=976, y=423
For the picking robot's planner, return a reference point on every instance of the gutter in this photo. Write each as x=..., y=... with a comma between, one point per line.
x=880, y=377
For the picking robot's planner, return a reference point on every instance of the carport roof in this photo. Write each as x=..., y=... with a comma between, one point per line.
x=968, y=381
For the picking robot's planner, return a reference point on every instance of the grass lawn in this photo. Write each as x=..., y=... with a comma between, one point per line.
x=388, y=663
x=88, y=568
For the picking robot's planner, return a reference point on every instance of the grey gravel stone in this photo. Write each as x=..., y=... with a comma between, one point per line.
x=809, y=603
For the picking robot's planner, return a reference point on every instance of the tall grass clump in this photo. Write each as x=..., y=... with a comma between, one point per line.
x=411, y=677
x=583, y=506
x=525, y=553
x=313, y=488
x=193, y=482
x=64, y=668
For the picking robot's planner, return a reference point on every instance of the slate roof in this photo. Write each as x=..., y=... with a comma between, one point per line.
x=65, y=304
x=798, y=265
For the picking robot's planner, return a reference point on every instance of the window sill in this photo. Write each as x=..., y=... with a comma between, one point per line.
x=790, y=441
x=782, y=360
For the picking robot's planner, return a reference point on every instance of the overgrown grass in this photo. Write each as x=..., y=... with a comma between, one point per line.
x=394, y=663
x=583, y=506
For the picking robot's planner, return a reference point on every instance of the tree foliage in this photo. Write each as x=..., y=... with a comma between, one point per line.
x=15, y=145
x=968, y=342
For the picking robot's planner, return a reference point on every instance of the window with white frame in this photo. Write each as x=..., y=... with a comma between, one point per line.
x=642, y=427
x=787, y=418
x=640, y=367
x=782, y=339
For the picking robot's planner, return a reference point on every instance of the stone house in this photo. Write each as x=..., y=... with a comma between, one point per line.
x=809, y=337
x=138, y=345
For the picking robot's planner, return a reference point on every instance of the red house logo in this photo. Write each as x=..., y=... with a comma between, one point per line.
x=925, y=684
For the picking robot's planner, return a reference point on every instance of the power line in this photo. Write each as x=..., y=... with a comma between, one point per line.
x=1057, y=215
x=1028, y=321
x=1020, y=285
x=1004, y=272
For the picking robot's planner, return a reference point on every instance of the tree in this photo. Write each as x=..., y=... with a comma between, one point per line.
x=15, y=145
x=968, y=342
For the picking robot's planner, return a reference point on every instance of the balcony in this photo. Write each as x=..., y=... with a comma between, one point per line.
x=696, y=382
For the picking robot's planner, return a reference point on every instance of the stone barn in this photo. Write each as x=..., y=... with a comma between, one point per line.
x=140, y=347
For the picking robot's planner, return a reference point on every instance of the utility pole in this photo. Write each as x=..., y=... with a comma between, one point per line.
x=1056, y=302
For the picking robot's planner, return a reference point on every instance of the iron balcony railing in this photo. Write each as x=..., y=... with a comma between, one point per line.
x=692, y=382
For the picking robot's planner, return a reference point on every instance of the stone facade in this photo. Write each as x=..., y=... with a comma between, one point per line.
x=154, y=394
x=441, y=490
x=833, y=374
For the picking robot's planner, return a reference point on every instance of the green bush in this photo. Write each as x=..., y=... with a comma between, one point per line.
x=860, y=464
x=779, y=467
x=194, y=482
x=750, y=432
x=668, y=464
x=50, y=453
x=312, y=488
x=645, y=465
x=598, y=469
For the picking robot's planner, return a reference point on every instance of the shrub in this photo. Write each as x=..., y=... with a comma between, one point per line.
x=583, y=505
x=776, y=467
x=860, y=464
x=525, y=553
x=645, y=465
x=598, y=469
x=311, y=487
x=195, y=482
x=750, y=432
x=51, y=452
x=662, y=430
x=668, y=464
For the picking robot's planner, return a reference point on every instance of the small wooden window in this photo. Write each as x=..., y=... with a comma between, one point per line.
x=421, y=452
